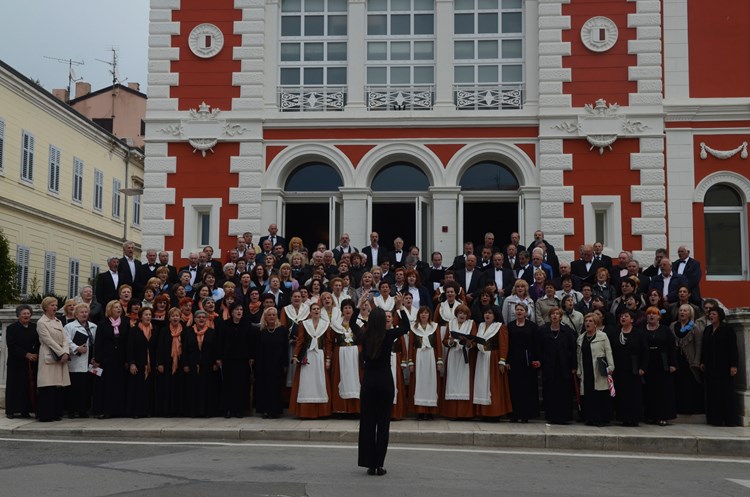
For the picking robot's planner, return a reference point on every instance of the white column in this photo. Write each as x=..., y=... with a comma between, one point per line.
x=681, y=187
x=647, y=47
x=444, y=213
x=355, y=215
x=444, y=54
x=676, y=64
x=356, y=55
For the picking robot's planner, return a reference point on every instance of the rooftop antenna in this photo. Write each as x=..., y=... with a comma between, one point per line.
x=71, y=73
x=113, y=70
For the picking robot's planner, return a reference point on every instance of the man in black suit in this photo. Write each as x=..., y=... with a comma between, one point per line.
x=145, y=272
x=524, y=271
x=634, y=271
x=128, y=268
x=398, y=256
x=266, y=250
x=164, y=261
x=600, y=256
x=489, y=242
x=193, y=268
x=108, y=282
x=273, y=235
x=344, y=247
x=485, y=261
x=503, y=277
x=515, y=240
x=691, y=270
x=586, y=268
x=420, y=266
x=511, y=258
x=437, y=272
x=653, y=269
x=470, y=278
x=374, y=252
x=217, y=266
x=539, y=238
x=460, y=260
x=668, y=282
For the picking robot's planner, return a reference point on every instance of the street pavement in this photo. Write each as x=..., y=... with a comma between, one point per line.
x=686, y=436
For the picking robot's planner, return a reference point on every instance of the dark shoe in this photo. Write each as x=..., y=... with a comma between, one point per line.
x=381, y=471
x=25, y=415
x=83, y=415
x=10, y=415
x=227, y=415
x=371, y=471
x=266, y=415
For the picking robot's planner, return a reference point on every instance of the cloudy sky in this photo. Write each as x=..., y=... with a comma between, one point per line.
x=82, y=30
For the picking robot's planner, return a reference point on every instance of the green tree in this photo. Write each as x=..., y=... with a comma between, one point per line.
x=8, y=289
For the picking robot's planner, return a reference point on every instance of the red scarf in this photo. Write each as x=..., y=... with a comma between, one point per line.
x=176, y=332
x=200, y=334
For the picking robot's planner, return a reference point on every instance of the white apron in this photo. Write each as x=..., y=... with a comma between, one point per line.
x=294, y=316
x=447, y=314
x=385, y=304
x=425, y=374
x=412, y=315
x=335, y=315
x=394, y=371
x=312, y=376
x=482, y=394
x=349, y=385
x=457, y=372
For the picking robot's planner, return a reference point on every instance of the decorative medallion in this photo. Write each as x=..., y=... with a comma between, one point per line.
x=203, y=130
x=601, y=125
x=206, y=40
x=724, y=154
x=599, y=34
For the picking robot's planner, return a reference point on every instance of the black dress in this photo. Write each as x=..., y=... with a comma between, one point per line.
x=658, y=391
x=170, y=385
x=376, y=397
x=597, y=405
x=630, y=352
x=20, y=383
x=522, y=378
x=141, y=353
x=201, y=379
x=689, y=391
x=110, y=352
x=719, y=354
x=558, y=357
x=271, y=353
x=235, y=351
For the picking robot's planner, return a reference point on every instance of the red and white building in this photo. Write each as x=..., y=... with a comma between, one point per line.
x=625, y=121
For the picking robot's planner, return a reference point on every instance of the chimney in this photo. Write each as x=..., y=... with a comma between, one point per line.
x=134, y=86
x=61, y=94
x=82, y=89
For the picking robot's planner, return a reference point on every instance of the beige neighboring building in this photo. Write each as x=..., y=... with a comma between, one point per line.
x=61, y=177
x=118, y=109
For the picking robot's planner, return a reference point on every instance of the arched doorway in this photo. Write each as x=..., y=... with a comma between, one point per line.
x=400, y=205
x=312, y=204
x=488, y=202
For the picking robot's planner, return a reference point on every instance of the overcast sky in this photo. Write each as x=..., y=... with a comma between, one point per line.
x=82, y=30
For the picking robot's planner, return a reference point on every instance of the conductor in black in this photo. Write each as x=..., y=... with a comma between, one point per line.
x=377, y=393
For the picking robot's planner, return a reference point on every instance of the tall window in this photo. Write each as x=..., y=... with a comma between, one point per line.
x=313, y=43
x=22, y=269
x=725, y=233
x=27, y=157
x=50, y=263
x=77, y=180
x=53, y=183
x=488, y=50
x=137, y=210
x=116, y=198
x=98, y=189
x=2, y=141
x=95, y=269
x=400, y=42
x=75, y=266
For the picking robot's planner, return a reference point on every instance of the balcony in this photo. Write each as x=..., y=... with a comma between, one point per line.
x=488, y=97
x=310, y=99
x=400, y=97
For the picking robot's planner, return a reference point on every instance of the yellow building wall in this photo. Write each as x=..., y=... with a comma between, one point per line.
x=31, y=215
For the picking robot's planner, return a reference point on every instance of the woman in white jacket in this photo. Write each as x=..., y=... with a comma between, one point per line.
x=80, y=335
x=595, y=363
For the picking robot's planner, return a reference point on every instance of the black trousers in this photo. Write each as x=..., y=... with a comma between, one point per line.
x=376, y=401
x=50, y=403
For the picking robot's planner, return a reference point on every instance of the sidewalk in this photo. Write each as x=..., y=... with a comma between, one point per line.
x=685, y=438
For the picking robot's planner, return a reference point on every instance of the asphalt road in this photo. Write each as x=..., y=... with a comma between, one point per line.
x=82, y=468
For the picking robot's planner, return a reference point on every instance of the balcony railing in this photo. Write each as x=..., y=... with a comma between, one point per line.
x=309, y=99
x=488, y=97
x=400, y=97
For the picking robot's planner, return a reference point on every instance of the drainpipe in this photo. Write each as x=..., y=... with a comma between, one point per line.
x=125, y=202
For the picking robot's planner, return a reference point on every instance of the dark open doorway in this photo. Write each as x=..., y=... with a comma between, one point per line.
x=308, y=221
x=394, y=219
x=500, y=218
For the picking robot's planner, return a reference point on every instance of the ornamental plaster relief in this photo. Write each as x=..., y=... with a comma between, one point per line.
x=723, y=154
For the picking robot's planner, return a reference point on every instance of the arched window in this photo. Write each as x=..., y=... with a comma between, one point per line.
x=488, y=175
x=400, y=177
x=724, y=213
x=314, y=177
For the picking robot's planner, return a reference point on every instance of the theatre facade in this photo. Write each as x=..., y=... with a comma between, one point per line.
x=620, y=121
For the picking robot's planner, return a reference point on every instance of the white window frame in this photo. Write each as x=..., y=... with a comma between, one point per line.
x=116, y=198
x=611, y=206
x=742, y=211
x=136, y=210
x=98, y=190
x=73, y=277
x=27, y=157
x=53, y=182
x=388, y=63
x=22, y=269
x=2, y=142
x=50, y=268
x=193, y=208
x=77, y=180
